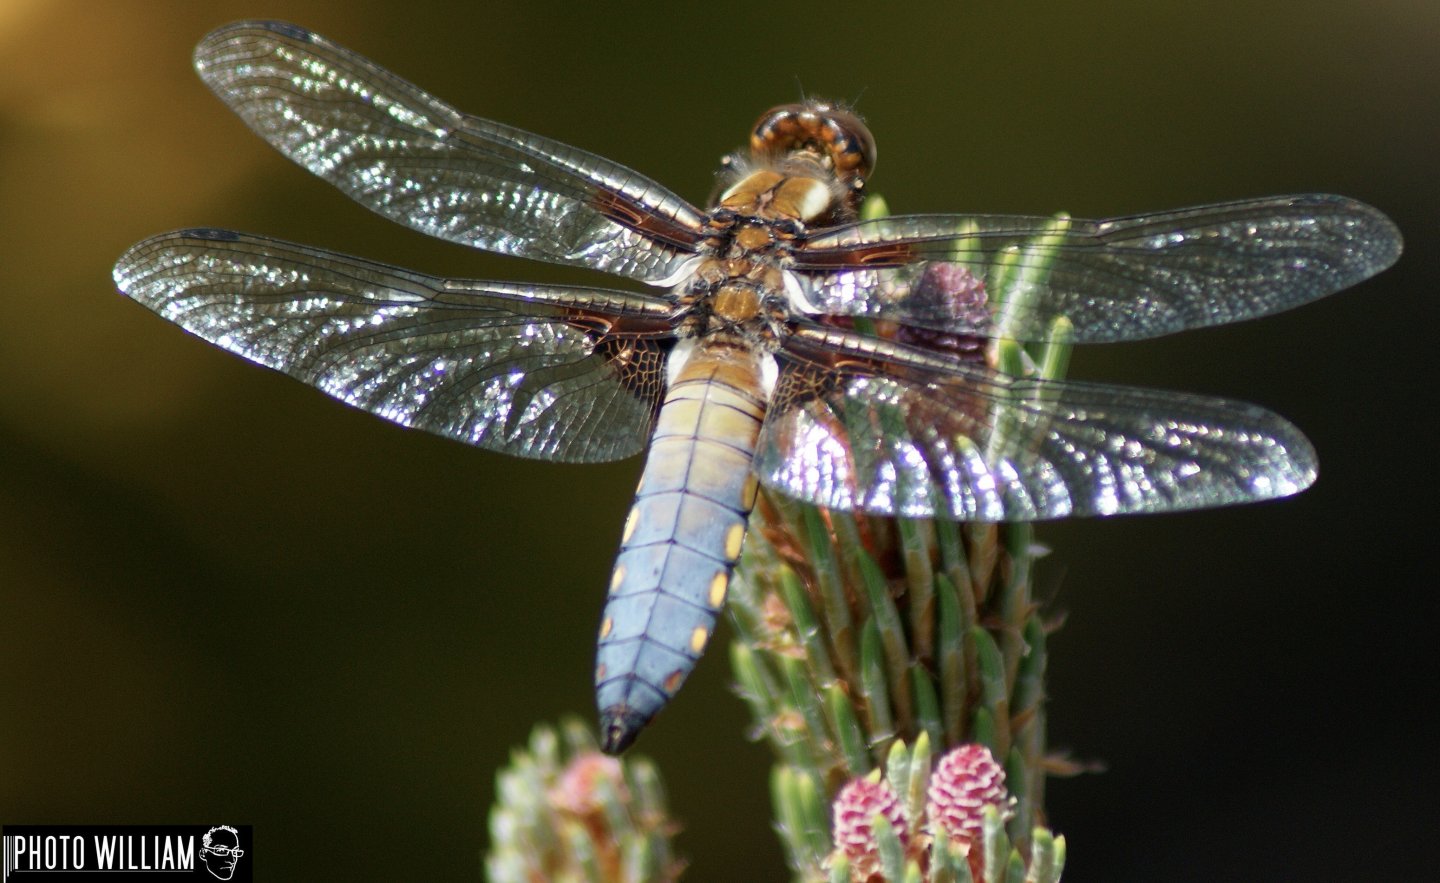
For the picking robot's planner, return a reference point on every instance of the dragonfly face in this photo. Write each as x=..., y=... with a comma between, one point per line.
x=787, y=344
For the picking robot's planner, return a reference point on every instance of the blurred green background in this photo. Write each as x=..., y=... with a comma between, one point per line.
x=226, y=598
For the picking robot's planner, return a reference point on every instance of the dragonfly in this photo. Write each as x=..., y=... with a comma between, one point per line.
x=785, y=342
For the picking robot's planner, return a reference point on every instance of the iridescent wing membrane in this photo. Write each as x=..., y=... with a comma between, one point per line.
x=566, y=374
x=905, y=434
x=857, y=421
x=863, y=425
x=1125, y=278
x=414, y=159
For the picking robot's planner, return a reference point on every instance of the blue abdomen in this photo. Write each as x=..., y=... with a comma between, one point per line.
x=681, y=539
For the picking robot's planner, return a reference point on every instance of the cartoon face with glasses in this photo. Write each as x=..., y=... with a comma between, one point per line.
x=220, y=850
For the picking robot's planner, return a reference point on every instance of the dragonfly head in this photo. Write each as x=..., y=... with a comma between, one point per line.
x=821, y=132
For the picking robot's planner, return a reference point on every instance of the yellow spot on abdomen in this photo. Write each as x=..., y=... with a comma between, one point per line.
x=718, y=585
x=606, y=627
x=673, y=681
x=748, y=492
x=631, y=521
x=734, y=539
x=698, y=639
x=617, y=577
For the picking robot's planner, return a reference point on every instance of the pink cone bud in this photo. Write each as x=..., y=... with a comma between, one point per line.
x=855, y=809
x=578, y=791
x=964, y=782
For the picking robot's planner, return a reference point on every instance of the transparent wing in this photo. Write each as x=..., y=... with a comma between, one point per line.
x=1121, y=279
x=420, y=162
x=552, y=373
x=858, y=424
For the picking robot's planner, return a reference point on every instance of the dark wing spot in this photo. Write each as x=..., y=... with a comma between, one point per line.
x=211, y=233
x=294, y=32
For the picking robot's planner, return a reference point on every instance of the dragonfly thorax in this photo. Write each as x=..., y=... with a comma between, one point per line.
x=739, y=298
x=736, y=303
x=777, y=195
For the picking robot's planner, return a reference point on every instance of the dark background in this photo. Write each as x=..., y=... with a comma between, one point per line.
x=224, y=597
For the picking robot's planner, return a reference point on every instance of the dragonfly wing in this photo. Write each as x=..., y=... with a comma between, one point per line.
x=414, y=159
x=1120, y=279
x=554, y=373
x=858, y=424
